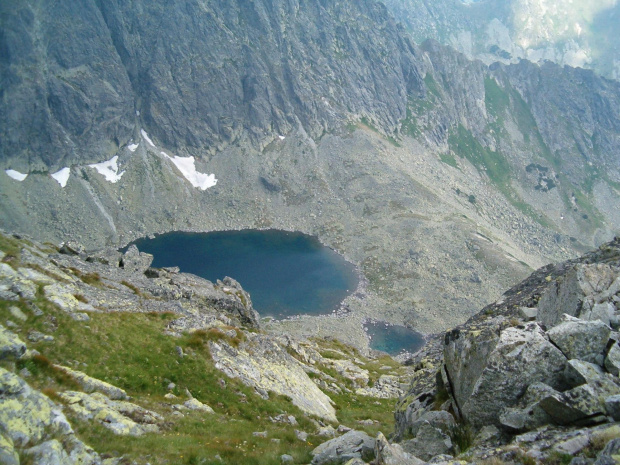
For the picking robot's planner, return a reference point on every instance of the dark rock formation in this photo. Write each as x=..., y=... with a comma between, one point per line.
x=197, y=76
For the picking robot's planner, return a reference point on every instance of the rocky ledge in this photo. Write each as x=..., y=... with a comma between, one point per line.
x=531, y=378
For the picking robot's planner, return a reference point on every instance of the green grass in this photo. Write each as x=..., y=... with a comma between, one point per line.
x=495, y=98
x=448, y=159
x=494, y=165
x=431, y=85
x=131, y=351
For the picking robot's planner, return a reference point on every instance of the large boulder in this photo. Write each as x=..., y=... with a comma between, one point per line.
x=352, y=445
x=568, y=295
x=489, y=372
x=136, y=261
x=583, y=404
x=265, y=365
x=580, y=339
x=393, y=454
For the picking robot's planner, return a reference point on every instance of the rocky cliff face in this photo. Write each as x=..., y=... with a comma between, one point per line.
x=78, y=79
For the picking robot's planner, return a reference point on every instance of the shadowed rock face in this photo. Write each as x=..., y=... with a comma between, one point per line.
x=201, y=75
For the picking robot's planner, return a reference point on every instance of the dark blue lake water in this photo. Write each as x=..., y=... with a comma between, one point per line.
x=285, y=273
x=393, y=339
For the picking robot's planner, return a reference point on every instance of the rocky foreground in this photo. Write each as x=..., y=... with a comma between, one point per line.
x=106, y=360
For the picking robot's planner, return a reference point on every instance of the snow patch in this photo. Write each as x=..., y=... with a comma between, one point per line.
x=146, y=137
x=62, y=176
x=109, y=169
x=281, y=137
x=187, y=167
x=16, y=175
x=133, y=147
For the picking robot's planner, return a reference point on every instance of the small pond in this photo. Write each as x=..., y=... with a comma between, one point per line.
x=393, y=339
x=286, y=273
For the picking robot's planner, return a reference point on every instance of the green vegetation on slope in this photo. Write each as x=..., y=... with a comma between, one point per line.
x=131, y=351
x=493, y=164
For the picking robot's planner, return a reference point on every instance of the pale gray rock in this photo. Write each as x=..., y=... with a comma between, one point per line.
x=601, y=311
x=429, y=441
x=579, y=372
x=573, y=445
x=326, y=431
x=71, y=248
x=356, y=462
x=489, y=374
x=568, y=295
x=612, y=361
x=579, y=339
x=528, y=314
x=194, y=404
x=120, y=417
x=301, y=435
x=37, y=336
x=90, y=384
x=393, y=454
x=436, y=418
x=285, y=458
x=517, y=420
x=11, y=346
x=354, y=444
x=135, y=261
x=17, y=313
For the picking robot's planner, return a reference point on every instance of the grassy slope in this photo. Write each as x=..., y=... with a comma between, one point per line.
x=131, y=352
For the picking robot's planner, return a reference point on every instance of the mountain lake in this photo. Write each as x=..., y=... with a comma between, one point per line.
x=393, y=339
x=286, y=273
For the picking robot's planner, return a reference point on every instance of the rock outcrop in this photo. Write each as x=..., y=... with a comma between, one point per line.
x=262, y=364
x=525, y=372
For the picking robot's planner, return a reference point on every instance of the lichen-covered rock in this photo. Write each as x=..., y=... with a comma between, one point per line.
x=11, y=346
x=494, y=376
x=122, y=418
x=8, y=454
x=580, y=339
x=30, y=419
x=354, y=444
x=579, y=372
x=26, y=414
x=263, y=364
x=90, y=384
x=585, y=403
x=48, y=452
